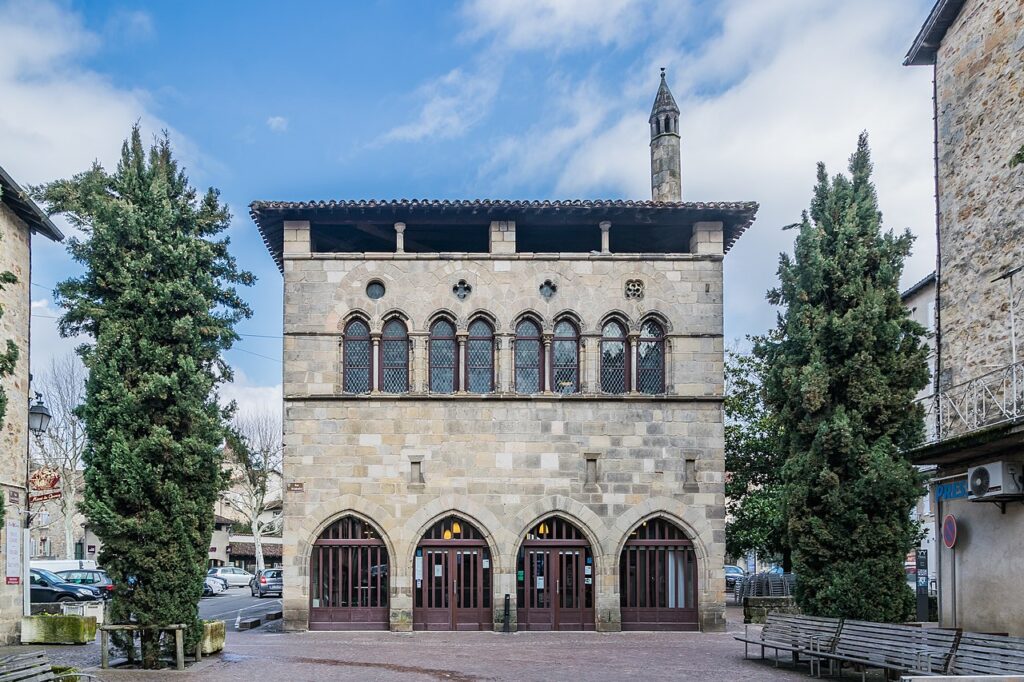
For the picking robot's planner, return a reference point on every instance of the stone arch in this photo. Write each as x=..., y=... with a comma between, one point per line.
x=571, y=316
x=494, y=532
x=658, y=317
x=440, y=314
x=399, y=314
x=531, y=315
x=487, y=316
x=330, y=511
x=617, y=316
x=589, y=523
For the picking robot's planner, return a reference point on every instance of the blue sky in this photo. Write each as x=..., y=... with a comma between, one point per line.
x=496, y=98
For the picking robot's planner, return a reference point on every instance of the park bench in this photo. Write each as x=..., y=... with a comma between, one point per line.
x=978, y=654
x=899, y=648
x=793, y=633
x=32, y=666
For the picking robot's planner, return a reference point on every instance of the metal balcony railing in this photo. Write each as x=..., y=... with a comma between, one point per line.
x=986, y=400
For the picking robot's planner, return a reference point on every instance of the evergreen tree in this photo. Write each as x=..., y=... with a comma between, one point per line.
x=8, y=359
x=843, y=373
x=158, y=299
x=753, y=464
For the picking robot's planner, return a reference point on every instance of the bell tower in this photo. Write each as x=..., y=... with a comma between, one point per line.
x=666, y=180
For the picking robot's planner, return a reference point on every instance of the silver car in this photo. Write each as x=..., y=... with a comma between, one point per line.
x=235, y=577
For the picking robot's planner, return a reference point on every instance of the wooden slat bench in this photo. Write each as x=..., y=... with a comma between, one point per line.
x=978, y=654
x=32, y=666
x=793, y=633
x=901, y=648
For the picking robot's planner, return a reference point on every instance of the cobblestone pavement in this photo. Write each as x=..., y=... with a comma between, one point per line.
x=268, y=655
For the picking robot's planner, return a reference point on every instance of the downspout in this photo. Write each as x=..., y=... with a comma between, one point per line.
x=938, y=321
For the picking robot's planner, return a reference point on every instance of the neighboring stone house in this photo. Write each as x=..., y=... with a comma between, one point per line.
x=20, y=218
x=505, y=402
x=976, y=49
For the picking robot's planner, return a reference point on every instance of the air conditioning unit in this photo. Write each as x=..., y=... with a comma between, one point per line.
x=995, y=481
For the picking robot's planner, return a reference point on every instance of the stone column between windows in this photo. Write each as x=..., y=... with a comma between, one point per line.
x=399, y=237
x=591, y=369
x=669, y=379
x=582, y=363
x=419, y=344
x=461, y=382
x=507, y=351
x=634, y=352
x=496, y=360
x=605, y=226
x=546, y=361
x=375, y=376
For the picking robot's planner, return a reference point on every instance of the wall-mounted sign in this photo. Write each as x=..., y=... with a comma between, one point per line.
x=296, y=487
x=213, y=550
x=951, y=490
x=419, y=567
x=44, y=497
x=45, y=478
x=13, y=550
x=949, y=531
x=91, y=549
x=486, y=563
x=540, y=582
x=438, y=570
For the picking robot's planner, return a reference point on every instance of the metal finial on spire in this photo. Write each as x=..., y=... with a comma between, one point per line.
x=663, y=73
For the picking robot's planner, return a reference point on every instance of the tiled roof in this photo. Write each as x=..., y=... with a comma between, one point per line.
x=18, y=200
x=914, y=288
x=268, y=215
x=926, y=44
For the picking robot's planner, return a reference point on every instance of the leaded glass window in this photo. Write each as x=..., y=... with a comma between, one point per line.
x=394, y=352
x=356, y=358
x=480, y=357
x=529, y=363
x=565, y=358
x=614, y=361
x=650, y=359
x=443, y=357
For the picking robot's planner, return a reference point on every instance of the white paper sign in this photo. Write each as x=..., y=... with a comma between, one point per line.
x=540, y=582
x=316, y=603
x=487, y=563
x=588, y=581
x=13, y=550
x=586, y=570
x=419, y=568
x=437, y=570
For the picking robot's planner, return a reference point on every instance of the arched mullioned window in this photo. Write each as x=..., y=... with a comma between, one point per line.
x=356, y=366
x=565, y=358
x=480, y=357
x=614, y=358
x=650, y=360
x=444, y=357
x=394, y=357
x=529, y=365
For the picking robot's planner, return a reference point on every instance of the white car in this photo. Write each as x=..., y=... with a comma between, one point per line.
x=235, y=577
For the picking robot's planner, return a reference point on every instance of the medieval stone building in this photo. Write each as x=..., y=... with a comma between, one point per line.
x=505, y=402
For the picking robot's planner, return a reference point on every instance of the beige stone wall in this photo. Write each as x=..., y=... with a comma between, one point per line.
x=504, y=461
x=14, y=257
x=980, y=78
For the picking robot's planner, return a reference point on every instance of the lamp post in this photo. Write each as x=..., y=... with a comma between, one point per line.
x=38, y=421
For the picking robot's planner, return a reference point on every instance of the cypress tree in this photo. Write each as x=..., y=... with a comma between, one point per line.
x=159, y=300
x=843, y=373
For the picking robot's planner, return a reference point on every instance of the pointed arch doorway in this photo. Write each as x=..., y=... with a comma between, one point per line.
x=349, y=578
x=658, y=579
x=555, y=575
x=452, y=578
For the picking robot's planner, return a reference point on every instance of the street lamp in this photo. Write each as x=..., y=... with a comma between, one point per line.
x=38, y=421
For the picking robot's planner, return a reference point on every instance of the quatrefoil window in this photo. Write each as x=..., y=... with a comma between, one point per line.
x=635, y=288
x=548, y=289
x=462, y=289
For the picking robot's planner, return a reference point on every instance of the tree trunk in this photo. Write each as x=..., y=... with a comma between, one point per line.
x=68, y=502
x=149, y=642
x=257, y=542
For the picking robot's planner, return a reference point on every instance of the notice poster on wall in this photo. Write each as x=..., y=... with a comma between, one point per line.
x=587, y=569
x=438, y=570
x=540, y=582
x=419, y=569
x=13, y=551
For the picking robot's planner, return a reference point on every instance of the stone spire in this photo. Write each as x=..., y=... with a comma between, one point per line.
x=666, y=180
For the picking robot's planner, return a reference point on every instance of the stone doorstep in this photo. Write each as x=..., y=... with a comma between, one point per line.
x=249, y=623
x=272, y=615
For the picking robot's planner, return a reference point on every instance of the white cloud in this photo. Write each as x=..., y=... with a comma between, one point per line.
x=277, y=124
x=453, y=104
x=47, y=343
x=130, y=26
x=251, y=398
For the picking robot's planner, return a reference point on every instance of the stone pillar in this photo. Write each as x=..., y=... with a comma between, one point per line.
x=460, y=366
x=375, y=377
x=296, y=238
x=584, y=383
x=499, y=382
x=399, y=237
x=633, y=338
x=509, y=351
x=545, y=363
x=503, y=236
x=605, y=226
x=418, y=362
x=707, y=239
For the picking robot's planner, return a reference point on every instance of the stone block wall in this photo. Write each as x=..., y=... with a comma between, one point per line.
x=14, y=325
x=504, y=461
x=980, y=84
x=756, y=609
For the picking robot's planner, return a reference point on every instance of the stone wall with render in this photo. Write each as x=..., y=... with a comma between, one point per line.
x=14, y=325
x=980, y=82
x=504, y=461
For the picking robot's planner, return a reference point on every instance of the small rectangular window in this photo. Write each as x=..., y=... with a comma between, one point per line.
x=416, y=473
x=590, y=469
x=690, y=470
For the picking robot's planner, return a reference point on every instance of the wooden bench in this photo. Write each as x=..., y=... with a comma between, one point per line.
x=32, y=666
x=901, y=648
x=978, y=654
x=793, y=633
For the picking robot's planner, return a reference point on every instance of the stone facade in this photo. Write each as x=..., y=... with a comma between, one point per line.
x=979, y=72
x=14, y=325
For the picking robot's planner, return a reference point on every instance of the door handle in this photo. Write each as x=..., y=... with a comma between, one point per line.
x=557, y=585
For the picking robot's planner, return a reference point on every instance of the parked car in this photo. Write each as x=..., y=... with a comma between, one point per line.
x=235, y=577
x=50, y=587
x=97, y=578
x=732, y=574
x=266, y=581
x=214, y=585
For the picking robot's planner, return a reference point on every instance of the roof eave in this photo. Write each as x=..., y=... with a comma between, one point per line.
x=18, y=201
x=926, y=45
